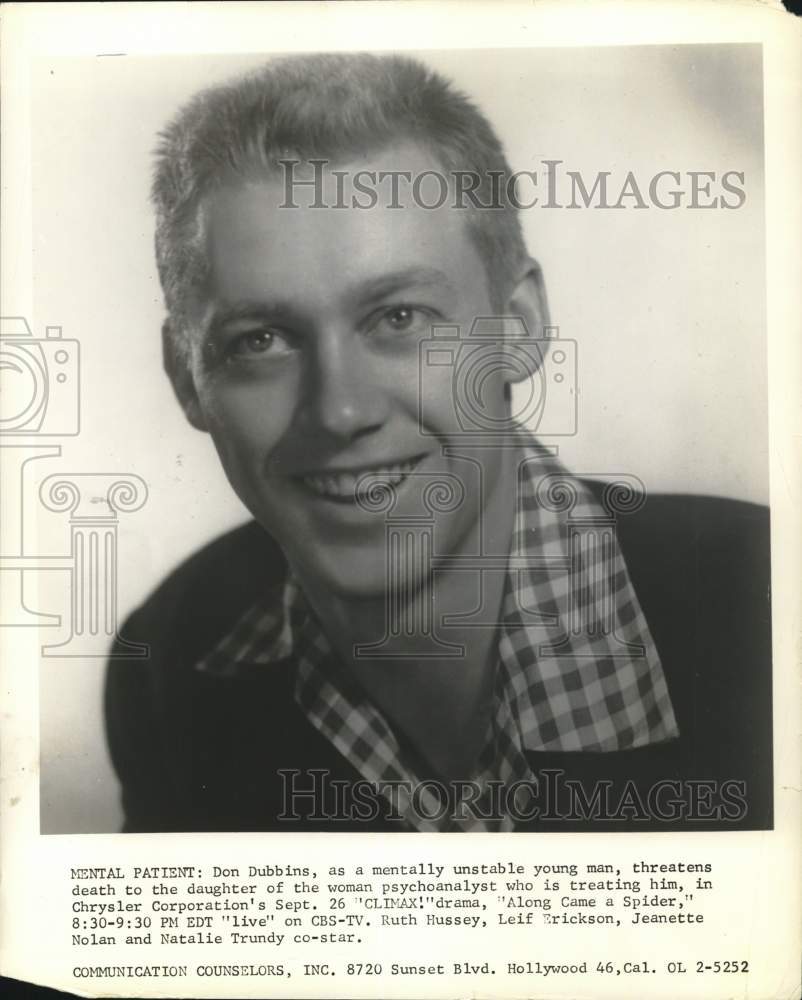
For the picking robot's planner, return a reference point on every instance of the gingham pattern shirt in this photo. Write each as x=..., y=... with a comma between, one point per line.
x=590, y=681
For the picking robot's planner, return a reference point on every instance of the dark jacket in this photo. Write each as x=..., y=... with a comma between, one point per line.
x=201, y=752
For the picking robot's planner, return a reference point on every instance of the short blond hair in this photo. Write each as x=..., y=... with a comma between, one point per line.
x=315, y=106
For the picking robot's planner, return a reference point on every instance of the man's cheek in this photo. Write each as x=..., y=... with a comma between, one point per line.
x=243, y=446
x=249, y=418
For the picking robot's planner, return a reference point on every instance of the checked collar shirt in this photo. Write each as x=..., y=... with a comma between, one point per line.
x=591, y=681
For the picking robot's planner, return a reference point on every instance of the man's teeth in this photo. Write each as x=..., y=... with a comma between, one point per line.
x=344, y=484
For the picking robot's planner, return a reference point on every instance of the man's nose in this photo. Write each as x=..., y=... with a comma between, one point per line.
x=345, y=396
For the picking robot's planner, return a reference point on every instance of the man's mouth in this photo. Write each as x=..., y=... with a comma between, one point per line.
x=345, y=487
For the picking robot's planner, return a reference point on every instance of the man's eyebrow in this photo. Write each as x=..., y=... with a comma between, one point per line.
x=386, y=284
x=247, y=309
x=365, y=292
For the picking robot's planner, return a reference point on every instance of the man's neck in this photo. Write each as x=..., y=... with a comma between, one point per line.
x=441, y=704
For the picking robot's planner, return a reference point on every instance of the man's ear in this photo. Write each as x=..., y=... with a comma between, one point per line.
x=177, y=368
x=527, y=301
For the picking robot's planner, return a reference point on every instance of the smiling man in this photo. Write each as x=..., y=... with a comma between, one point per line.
x=407, y=636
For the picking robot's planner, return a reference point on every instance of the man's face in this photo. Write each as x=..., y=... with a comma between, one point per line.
x=306, y=370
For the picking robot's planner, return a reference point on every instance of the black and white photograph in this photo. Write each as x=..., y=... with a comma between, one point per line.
x=471, y=354
x=394, y=438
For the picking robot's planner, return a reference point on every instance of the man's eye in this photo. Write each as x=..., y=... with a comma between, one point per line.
x=253, y=343
x=400, y=319
x=257, y=343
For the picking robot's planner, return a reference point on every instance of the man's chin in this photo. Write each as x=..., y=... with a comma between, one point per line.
x=356, y=576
